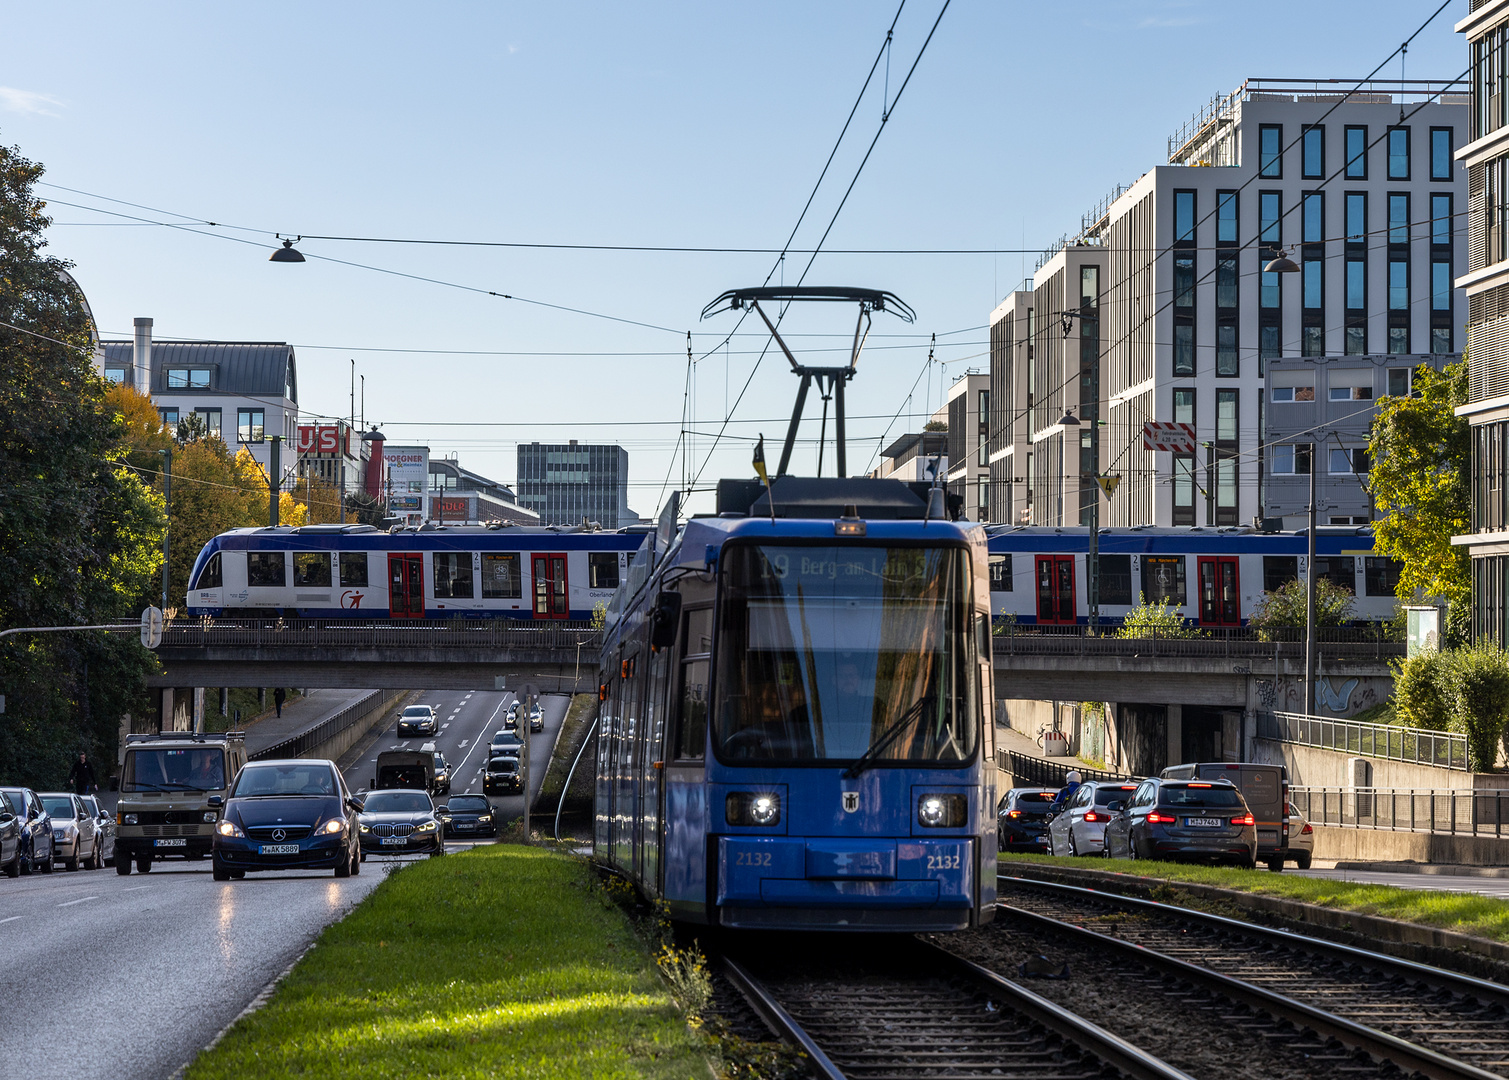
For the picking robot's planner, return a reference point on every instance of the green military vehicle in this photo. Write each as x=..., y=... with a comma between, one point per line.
x=165, y=786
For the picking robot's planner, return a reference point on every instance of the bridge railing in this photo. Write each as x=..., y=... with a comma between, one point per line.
x=1415, y=745
x=1027, y=771
x=305, y=741
x=425, y=633
x=1483, y=812
x=1363, y=642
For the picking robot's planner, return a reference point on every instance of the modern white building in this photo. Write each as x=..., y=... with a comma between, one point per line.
x=968, y=416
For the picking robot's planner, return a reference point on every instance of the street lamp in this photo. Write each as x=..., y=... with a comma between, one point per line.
x=287, y=253
x=1281, y=264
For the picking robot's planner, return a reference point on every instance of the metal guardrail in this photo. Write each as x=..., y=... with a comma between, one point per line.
x=1418, y=746
x=1334, y=643
x=1458, y=812
x=425, y=633
x=305, y=741
x=1031, y=771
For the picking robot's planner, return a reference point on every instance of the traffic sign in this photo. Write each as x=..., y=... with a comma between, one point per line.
x=151, y=627
x=1108, y=484
x=1169, y=435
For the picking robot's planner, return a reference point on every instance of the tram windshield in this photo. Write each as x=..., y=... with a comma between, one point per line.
x=832, y=654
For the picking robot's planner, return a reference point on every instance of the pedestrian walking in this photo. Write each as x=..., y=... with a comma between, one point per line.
x=81, y=776
x=278, y=697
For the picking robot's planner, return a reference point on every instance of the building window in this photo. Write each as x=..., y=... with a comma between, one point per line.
x=1346, y=462
x=1357, y=153
x=196, y=378
x=1398, y=219
x=1313, y=218
x=983, y=458
x=115, y=374
x=1184, y=405
x=1184, y=491
x=1312, y=330
x=453, y=575
x=1314, y=164
x=1440, y=153
x=1271, y=297
x=1291, y=459
x=353, y=569
x=1398, y=382
x=1270, y=218
x=1440, y=219
x=1351, y=393
x=1184, y=349
x=250, y=425
x=501, y=579
x=984, y=499
x=1226, y=488
x=1357, y=284
x=1268, y=341
x=1226, y=217
x=1226, y=349
x=211, y=418
x=1226, y=416
x=1184, y=315
x=1398, y=302
x=169, y=418
x=1314, y=284
x=602, y=570
x=1291, y=394
x=1226, y=281
x=1357, y=217
x=1270, y=151
x=1398, y=153
x=1184, y=217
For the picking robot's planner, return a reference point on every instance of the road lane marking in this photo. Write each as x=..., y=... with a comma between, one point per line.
x=12, y=918
x=136, y=888
x=80, y=900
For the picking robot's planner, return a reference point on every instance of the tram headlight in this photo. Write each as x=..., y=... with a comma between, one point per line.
x=941, y=811
x=760, y=808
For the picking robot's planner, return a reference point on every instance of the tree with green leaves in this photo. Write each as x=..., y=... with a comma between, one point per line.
x=81, y=533
x=1287, y=606
x=1422, y=461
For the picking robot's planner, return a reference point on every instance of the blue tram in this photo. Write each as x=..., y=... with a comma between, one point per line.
x=794, y=722
x=1213, y=577
x=359, y=572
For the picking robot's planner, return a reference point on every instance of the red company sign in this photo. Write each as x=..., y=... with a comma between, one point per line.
x=452, y=509
x=322, y=439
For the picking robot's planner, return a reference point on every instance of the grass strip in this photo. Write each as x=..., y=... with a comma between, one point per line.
x=501, y=961
x=1467, y=913
x=573, y=734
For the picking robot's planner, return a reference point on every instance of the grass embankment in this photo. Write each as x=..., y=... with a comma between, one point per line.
x=573, y=733
x=503, y=961
x=1467, y=913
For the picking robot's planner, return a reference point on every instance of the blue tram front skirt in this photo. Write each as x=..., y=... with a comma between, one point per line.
x=879, y=884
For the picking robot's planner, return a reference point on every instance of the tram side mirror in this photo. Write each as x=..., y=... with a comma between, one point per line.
x=665, y=619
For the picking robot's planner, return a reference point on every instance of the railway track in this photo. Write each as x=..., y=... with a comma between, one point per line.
x=1425, y=1020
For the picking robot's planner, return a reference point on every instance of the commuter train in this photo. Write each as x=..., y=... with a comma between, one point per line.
x=1213, y=577
x=794, y=724
x=360, y=572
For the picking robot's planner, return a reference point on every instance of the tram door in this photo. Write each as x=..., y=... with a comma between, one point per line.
x=1055, y=590
x=406, y=586
x=551, y=599
x=1220, y=597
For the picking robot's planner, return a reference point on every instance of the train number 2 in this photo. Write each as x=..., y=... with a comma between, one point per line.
x=943, y=862
x=755, y=858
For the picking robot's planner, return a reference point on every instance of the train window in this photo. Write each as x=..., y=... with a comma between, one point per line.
x=1000, y=573
x=602, y=569
x=500, y=577
x=1116, y=579
x=1163, y=579
x=1278, y=571
x=209, y=577
x=1339, y=570
x=691, y=730
x=353, y=569
x=1381, y=575
x=311, y=569
x=265, y=568
x=453, y=575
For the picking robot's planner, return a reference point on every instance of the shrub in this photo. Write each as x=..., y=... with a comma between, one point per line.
x=1478, y=678
x=1285, y=606
x=1154, y=620
x=1422, y=697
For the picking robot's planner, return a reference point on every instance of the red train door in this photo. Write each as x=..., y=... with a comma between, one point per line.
x=406, y=586
x=551, y=598
x=1055, y=590
x=1220, y=596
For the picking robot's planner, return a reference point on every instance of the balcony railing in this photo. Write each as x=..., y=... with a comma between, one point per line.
x=1414, y=745
x=1429, y=810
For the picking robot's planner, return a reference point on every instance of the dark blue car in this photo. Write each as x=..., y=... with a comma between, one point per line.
x=37, y=848
x=287, y=815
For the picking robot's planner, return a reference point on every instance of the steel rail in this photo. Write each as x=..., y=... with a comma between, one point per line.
x=778, y=1019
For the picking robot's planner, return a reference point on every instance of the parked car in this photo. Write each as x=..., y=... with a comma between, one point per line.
x=470, y=815
x=502, y=777
x=511, y=717
x=290, y=814
x=1301, y=839
x=36, y=830
x=73, y=830
x=104, y=829
x=1265, y=789
x=400, y=822
x=418, y=720
x=506, y=744
x=1022, y=819
x=1184, y=819
x=10, y=837
x=1079, y=828
x=536, y=718
x=442, y=770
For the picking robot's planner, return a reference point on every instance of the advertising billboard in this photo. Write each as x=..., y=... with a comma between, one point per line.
x=323, y=439
x=454, y=507
x=408, y=478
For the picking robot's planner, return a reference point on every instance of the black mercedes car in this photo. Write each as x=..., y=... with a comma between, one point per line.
x=295, y=814
x=503, y=777
x=470, y=815
x=1022, y=819
x=400, y=821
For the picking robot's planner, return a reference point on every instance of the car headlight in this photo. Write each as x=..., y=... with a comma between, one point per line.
x=753, y=808
x=482, y=818
x=428, y=826
x=941, y=811
x=363, y=828
x=229, y=828
x=125, y=819
x=334, y=825
x=211, y=817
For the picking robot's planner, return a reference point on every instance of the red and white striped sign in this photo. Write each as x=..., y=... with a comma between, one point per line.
x=1168, y=435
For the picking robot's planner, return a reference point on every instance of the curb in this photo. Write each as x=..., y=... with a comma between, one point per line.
x=1431, y=869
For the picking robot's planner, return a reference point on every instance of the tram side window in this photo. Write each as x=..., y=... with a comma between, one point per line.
x=1116, y=579
x=265, y=568
x=209, y=577
x=1000, y=573
x=500, y=577
x=311, y=569
x=1278, y=571
x=602, y=569
x=1163, y=579
x=354, y=569
x=691, y=721
x=453, y=575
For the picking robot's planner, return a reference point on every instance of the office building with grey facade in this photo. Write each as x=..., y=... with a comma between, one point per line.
x=568, y=483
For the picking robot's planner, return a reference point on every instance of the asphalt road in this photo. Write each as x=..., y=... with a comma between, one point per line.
x=1484, y=886
x=127, y=978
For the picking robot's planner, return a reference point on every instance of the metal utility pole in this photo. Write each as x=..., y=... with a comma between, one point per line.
x=1310, y=593
x=1092, y=558
x=274, y=478
x=167, y=505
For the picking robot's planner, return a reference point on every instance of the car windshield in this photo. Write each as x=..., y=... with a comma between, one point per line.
x=397, y=802
x=188, y=768
x=1104, y=796
x=828, y=653
x=467, y=804
x=1203, y=796
x=417, y=710
x=57, y=806
x=503, y=764
x=263, y=781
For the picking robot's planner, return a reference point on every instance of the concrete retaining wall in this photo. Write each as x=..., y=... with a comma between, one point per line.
x=1312, y=766
x=333, y=747
x=1384, y=845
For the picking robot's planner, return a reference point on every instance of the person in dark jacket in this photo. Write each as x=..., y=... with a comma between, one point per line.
x=81, y=776
x=1061, y=800
x=278, y=697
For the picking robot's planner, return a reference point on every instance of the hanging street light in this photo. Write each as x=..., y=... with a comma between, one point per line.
x=287, y=253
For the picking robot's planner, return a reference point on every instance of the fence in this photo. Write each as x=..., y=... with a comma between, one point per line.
x=421, y=633
x=1036, y=772
x=1436, y=810
x=1416, y=745
x=300, y=744
x=1369, y=641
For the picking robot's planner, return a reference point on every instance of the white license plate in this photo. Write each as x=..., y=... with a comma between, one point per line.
x=462, y=826
x=1204, y=822
x=397, y=840
x=170, y=843
x=280, y=849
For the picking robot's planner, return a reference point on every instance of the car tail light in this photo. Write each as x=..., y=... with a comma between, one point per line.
x=1245, y=819
x=1014, y=814
x=1091, y=815
x=1306, y=831
x=1156, y=818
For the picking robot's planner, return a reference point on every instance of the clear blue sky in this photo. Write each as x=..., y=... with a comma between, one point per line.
x=655, y=123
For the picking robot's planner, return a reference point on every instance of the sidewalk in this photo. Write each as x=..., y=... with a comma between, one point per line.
x=298, y=715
